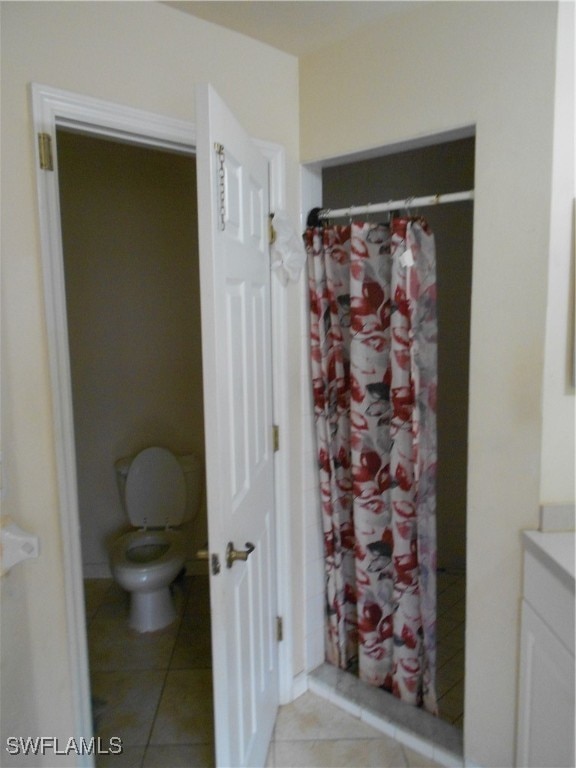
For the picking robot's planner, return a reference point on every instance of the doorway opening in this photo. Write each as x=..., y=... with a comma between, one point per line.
x=442, y=166
x=54, y=109
x=130, y=252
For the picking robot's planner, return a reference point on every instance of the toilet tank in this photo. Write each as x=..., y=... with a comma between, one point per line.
x=192, y=469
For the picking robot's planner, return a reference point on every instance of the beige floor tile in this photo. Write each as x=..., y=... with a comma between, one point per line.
x=125, y=704
x=156, y=689
x=198, y=603
x=312, y=718
x=185, y=710
x=339, y=753
x=192, y=649
x=179, y=756
x=130, y=757
x=113, y=645
x=416, y=760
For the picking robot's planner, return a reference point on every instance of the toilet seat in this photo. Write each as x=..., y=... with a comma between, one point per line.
x=155, y=489
x=136, y=539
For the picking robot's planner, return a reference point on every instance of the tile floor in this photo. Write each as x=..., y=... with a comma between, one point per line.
x=154, y=692
x=314, y=733
x=451, y=595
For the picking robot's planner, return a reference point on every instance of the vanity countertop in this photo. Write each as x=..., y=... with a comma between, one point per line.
x=555, y=551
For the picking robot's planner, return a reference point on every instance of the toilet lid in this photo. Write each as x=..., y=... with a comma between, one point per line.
x=155, y=489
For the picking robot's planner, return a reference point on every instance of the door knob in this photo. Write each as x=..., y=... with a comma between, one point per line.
x=235, y=554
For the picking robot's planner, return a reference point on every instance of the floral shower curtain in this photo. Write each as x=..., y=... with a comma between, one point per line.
x=373, y=345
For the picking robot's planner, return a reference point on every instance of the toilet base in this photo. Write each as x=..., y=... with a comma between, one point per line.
x=151, y=611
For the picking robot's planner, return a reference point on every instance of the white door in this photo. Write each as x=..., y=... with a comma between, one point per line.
x=237, y=363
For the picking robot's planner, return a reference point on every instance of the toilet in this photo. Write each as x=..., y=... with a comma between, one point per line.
x=159, y=491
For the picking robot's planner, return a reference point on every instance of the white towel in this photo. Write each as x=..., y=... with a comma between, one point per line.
x=288, y=253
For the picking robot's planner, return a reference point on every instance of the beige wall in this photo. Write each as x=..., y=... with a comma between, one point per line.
x=446, y=66
x=140, y=54
x=558, y=465
x=129, y=226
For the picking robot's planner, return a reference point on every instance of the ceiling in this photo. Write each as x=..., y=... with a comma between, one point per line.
x=294, y=26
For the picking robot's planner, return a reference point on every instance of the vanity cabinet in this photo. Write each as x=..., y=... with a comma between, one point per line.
x=545, y=733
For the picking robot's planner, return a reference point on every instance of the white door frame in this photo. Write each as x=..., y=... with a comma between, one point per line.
x=52, y=108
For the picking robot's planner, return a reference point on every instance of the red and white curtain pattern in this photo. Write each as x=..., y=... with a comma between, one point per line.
x=373, y=344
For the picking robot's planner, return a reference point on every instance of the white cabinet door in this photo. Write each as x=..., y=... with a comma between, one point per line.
x=546, y=716
x=237, y=367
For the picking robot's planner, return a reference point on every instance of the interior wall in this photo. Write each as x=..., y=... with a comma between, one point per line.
x=129, y=227
x=445, y=66
x=558, y=466
x=148, y=56
x=441, y=168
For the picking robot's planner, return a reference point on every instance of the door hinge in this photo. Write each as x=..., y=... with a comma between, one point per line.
x=271, y=230
x=279, y=629
x=276, y=437
x=45, y=151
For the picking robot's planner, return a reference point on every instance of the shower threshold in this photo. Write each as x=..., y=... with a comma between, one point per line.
x=426, y=734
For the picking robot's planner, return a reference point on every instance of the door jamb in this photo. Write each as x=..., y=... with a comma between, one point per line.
x=52, y=108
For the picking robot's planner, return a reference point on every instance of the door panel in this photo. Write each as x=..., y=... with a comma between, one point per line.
x=236, y=342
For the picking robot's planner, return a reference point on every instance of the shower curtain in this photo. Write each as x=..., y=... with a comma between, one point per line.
x=373, y=350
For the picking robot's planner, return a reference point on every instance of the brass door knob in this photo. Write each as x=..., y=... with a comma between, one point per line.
x=235, y=554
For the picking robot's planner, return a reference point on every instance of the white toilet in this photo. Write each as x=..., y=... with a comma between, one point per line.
x=159, y=492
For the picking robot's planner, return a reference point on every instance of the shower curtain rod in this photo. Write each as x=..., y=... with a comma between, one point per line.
x=393, y=205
